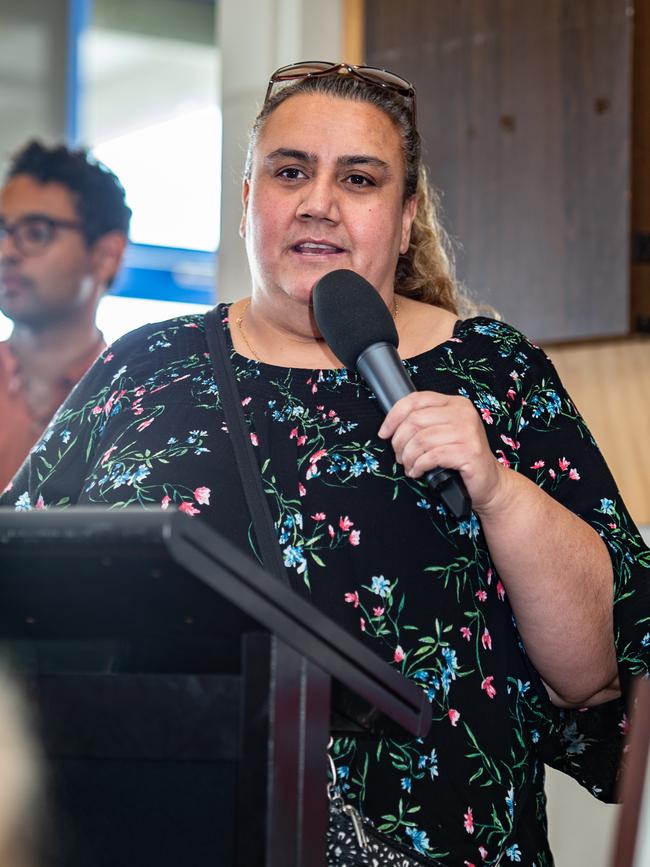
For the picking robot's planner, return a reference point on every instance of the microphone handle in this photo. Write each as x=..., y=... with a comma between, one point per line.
x=382, y=369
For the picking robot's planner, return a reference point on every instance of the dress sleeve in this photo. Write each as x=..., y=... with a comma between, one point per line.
x=550, y=443
x=53, y=473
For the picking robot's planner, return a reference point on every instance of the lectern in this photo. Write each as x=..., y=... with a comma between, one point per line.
x=186, y=696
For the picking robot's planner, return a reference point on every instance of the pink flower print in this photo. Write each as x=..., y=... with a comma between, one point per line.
x=514, y=375
x=489, y=575
x=355, y=538
x=501, y=591
x=377, y=611
x=330, y=530
x=399, y=654
x=552, y=473
x=486, y=415
x=331, y=414
x=189, y=509
x=39, y=505
x=454, y=716
x=483, y=852
x=317, y=456
x=468, y=821
x=362, y=624
x=246, y=401
x=510, y=394
x=469, y=864
x=302, y=490
x=107, y=454
x=502, y=458
x=314, y=388
x=202, y=496
x=140, y=391
x=301, y=440
x=487, y=686
x=486, y=640
x=574, y=475
x=108, y=358
x=144, y=424
x=353, y=597
x=466, y=632
x=563, y=464
x=510, y=442
x=96, y=410
x=612, y=526
x=537, y=465
x=294, y=433
x=254, y=439
x=319, y=516
x=164, y=503
x=481, y=595
x=345, y=523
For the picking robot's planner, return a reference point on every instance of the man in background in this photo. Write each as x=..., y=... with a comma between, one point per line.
x=63, y=230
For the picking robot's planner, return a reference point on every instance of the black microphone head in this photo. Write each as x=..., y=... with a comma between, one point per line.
x=351, y=315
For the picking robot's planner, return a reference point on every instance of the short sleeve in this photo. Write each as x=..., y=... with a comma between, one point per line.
x=552, y=445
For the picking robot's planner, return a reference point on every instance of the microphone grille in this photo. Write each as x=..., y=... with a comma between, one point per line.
x=351, y=315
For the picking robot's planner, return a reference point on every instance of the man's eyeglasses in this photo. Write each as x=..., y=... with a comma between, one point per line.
x=369, y=74
x=34, y=232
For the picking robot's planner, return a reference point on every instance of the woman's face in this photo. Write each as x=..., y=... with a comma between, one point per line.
x=325, y=192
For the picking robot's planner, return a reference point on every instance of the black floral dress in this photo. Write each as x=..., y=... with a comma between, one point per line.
x=369, y=547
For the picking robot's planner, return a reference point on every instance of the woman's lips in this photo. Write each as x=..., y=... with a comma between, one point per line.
x=316, y=248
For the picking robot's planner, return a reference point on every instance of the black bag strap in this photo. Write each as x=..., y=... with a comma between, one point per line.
x=249, y=471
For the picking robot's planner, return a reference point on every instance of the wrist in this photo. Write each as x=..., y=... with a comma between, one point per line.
x=501, y=496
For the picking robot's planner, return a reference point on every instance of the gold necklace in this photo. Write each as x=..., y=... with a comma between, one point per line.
x=240, y=326
x=239, y=321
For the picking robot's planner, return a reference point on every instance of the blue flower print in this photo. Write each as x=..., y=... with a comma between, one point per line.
x=514, y=853
x=419, y=839
x=23, y=503
x=380, y=586
x=293, y=556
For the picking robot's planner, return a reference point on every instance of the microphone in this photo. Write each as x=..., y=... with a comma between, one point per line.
x=358, y=327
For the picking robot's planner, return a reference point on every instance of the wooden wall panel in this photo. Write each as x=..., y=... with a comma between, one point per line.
x=610, y=384
x=640, y=272
x=524, y=108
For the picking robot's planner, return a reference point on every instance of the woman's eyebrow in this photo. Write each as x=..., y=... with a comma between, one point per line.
x=312, y=158
x=292, y=154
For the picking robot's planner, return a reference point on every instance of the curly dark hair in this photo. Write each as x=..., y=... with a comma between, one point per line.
x=98, y=195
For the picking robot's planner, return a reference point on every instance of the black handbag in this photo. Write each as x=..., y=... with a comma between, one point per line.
x=352, y=840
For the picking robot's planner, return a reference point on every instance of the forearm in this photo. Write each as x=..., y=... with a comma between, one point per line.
x=558, y=576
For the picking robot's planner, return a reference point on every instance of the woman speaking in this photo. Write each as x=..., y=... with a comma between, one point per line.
x=509, y=619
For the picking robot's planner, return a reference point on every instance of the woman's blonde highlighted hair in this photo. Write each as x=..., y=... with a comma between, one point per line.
x=426, y=271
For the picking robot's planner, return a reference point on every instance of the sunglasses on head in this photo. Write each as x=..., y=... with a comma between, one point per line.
x=369, y=74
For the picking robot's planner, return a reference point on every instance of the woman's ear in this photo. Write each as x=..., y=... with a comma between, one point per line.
x=245, y=192
x=408, y=216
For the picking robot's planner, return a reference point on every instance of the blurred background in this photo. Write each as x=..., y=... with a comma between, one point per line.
x=536, y=126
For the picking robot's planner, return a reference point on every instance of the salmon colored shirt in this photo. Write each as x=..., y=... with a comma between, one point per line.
x=20, y=427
